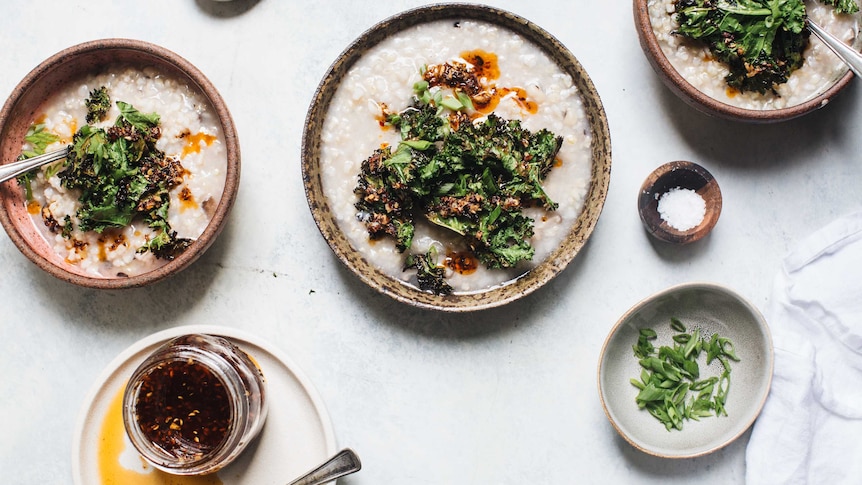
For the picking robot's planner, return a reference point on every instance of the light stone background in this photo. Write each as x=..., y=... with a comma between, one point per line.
x=502, y=396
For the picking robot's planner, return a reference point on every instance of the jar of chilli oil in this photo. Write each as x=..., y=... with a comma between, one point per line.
x=194, y=404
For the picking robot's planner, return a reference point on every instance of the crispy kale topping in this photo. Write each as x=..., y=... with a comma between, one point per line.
x=98, y=105
x=429, y=274
x=470, y=177
x=761, y=41
x=122, y=175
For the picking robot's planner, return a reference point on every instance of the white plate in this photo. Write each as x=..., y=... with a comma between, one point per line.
x=297, y=435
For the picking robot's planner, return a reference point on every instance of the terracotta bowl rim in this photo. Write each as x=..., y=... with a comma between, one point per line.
x=701, y=101
x=183, y=68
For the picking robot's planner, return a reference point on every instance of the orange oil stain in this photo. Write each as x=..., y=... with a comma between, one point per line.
x=72, y=123
x=103, y=253
x=461, y=262
x=193, y=142
x=382, y=116
x=34, y=208
x=731, y=92
x=187, y=200
x=485, y=64
x=112, y=444
x=519, y=95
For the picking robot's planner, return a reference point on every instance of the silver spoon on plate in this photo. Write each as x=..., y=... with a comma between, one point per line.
x=850, y=56
x=343, y=463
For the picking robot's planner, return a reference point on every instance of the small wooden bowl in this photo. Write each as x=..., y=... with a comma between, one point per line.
x=684, y=175
x=675, y=81
x=57, y=71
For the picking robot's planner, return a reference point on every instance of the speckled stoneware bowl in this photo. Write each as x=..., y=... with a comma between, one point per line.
x=684, y=175
x=466, y=301
x=703, y=102
x=712, y=309
x=20, y=109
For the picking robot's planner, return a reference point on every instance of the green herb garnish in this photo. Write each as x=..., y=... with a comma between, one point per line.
x=39, y=139
x=761, y=41
x=671, y=388
x=471, y=178
x=121, y=175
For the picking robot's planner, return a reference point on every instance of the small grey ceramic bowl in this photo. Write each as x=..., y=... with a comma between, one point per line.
x=458, y=301
x=21, y=108
x=712, y=309
x=675, y=81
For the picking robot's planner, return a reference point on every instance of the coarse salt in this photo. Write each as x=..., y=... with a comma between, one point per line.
x=681, y=208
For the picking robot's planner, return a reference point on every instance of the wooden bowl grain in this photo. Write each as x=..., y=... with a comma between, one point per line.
x=684, y=175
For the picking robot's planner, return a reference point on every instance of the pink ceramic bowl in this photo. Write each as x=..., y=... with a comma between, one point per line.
x=19, y=111
x=696, y=98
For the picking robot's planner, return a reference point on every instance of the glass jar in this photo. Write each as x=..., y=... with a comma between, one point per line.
x=194, y=404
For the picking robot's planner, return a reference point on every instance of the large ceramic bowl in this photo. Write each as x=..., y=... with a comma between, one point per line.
x=713, y=97
x=322, y=208
x=23, y=106
x=712, y=309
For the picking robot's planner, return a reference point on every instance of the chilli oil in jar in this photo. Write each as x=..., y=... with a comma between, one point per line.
x=194, y=404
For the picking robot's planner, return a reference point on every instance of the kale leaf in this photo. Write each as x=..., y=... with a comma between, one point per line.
x=39, y=139
x=429, y=274
x=97, y=105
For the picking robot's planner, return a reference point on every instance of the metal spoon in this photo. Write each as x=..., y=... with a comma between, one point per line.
x=343, y=463
x=847, y=54
x=14, y=169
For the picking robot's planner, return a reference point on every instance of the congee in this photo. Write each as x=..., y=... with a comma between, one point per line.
x=820, y=67
x=145, y=172
x=455, y=155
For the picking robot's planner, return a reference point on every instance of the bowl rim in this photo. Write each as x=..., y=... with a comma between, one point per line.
x=185, y=69
x=693, y=285
x=458, y=301
x=707, y=104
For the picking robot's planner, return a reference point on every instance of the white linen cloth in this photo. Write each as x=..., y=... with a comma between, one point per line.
x=810, y=429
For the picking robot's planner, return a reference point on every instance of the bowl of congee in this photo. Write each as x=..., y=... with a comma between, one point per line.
x=151, y=168
x=752, y=60
x=456, y=157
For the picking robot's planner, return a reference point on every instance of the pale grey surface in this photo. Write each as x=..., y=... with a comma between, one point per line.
x=503, y=396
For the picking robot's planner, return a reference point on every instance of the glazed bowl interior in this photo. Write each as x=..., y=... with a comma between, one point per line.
x=24, y=104
x=696, y=98
x=458, y=301
x=711, y=309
